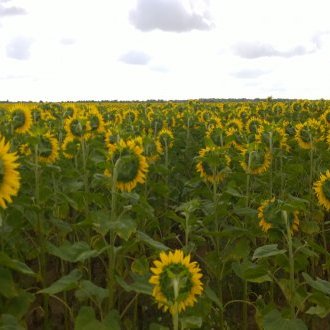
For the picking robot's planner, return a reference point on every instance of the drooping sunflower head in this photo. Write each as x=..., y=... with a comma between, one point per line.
x=216, y=135
x=9, y=175
x=131, y=165
x=233, y=125
x=70, y=147
x=253, y=124
x=176, y=280
x=309, y=133
x=326, y=117
x=78, y=126
x=274, y=136
x=21, y=118
x=96, y=120
x=48, y=147
x=111, y=137
x=322, y=190
x=255, y=159
x=213, y=164
x=270, y=216
x=165, y=139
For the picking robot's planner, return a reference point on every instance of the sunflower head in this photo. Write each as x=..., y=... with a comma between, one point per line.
x=255, y=159
x=9, y=176
x=213, y=164
x=176, y=280
x=130, y=164
x=165, y=139
x=322, y=190
x=21, y=118
x=270, y=216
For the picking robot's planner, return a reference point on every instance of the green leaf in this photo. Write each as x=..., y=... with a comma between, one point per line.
x=65, y=283
x=112, y=320
x=75, y=252
x=86, y=320
x=310, y=227
x=318, y=284
x=7, y=284
x=318, y=310
x=140, y=266
x=140, y=285
x=274, y=321
x=19, y=305
x=88, y=290
x=212, y=296
x=233, y=192
x=151, y=242
x=251, y=272
x=13, y=264
x=191, y=322
x=245, y=211
x=124, y=226
x=267, y=251
x=9, y=322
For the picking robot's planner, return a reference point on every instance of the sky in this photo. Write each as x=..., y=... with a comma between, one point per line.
x=70, y=50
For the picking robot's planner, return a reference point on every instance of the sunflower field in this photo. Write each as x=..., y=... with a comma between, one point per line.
x=165, y=215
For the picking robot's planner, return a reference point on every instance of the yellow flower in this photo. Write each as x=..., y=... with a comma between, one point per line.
x=268, y=216
x=273, y=135
x=9, y=176
x=48, y=149
x=322, y=190
x=308, y=133
x=171, y=267
x=96, y=120
x=132, y=165
x=70, y=146
x=78, y=126
x=253, y=124
x=256, y=159
x=164, y=138
x=21, y=118
x=213, y=163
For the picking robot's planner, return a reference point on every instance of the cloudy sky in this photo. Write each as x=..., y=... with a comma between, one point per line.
x=58, y=50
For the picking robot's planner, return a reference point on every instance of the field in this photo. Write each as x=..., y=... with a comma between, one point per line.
x=165, y=215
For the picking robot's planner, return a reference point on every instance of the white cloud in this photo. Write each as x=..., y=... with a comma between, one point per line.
x=19, y=48
x=11, y=11
x=135, y=57
x=168, y=15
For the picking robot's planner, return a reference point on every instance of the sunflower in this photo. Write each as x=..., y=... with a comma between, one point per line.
x=164, y=138
x=322, y=190
x=132, y=165
x=24, y=149
x=96, y=120
x=70, y=146
x=234, y=125
x=273, y=135
x=213, y=163
x=308, y=133
x=326, y=117
x=48, y=149
x=21, y=118
x=111, y=137
x=176, y=280
x=216, y=135
x=269, y=216
x=253, y=124
x=77, y=126
x=9, y=176
x=255, y=159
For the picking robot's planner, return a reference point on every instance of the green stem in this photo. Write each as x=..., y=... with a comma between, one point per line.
x=175, y=314
x=291, y=265
x=271, y=165
x=112, y=236
x=41, y=235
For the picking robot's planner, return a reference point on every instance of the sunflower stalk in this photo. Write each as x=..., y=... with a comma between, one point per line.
x=112, y=236
x=41, y=234
x=291, y=264
x=175, y=314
